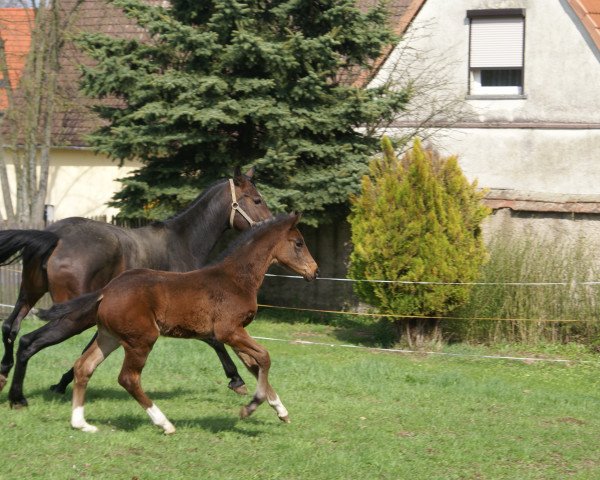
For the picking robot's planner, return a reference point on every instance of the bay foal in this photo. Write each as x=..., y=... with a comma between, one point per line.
x=214, y=302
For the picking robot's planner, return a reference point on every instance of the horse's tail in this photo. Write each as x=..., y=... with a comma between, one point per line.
x=26, y=244
x=77, y=309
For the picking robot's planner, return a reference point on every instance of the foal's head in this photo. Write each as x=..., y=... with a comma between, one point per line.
x=249, y=201
x=291, y=251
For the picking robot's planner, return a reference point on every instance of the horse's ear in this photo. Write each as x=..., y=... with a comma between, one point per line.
x=250, y=172
x=238, y=178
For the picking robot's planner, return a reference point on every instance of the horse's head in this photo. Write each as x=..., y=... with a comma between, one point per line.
x=247, y=205
x=291, y=251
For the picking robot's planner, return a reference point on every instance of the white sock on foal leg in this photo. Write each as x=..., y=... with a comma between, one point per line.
x=282, y=412
x=158, y=418
x=78, y=421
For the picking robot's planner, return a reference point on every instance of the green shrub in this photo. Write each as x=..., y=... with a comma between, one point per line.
x=417, y=219
x=517, y=292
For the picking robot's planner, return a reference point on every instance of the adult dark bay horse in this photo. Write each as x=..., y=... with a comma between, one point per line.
x=76, y=256
x=213, y=303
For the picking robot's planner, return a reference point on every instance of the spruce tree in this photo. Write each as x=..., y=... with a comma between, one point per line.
x=222, y=83
x=417, y=219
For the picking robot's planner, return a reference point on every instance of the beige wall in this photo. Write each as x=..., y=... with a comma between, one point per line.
x=554, y=148
x=81, y=183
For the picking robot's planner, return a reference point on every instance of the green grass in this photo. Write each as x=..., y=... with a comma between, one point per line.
x=355, y=413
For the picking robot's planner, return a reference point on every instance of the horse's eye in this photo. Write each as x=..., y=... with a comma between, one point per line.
x=299, y=243
x=257, y=200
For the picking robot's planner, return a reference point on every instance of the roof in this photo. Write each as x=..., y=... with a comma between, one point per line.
x=15, y=31
x=588, y=12
x=402, y=13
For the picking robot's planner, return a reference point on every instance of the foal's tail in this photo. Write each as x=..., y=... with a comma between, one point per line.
x=26, y=244
x=79, y=310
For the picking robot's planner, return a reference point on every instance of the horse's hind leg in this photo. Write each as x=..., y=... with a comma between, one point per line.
x=49, y=334
x=11, y=327
x=67, y=378
x=130, y=380
x=84, y=368
x=236, y=382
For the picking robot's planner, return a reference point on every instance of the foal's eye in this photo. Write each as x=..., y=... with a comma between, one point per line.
x=299, y=243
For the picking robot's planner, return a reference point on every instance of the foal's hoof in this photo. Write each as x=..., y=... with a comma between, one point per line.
x=285, y=419
x=18, y=404
x=58, y=388
x=245, y=412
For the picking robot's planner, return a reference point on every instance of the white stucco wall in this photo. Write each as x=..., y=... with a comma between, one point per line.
x=81, y=183
x=561, y=85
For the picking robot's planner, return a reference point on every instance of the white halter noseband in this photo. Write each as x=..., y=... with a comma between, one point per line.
x=235, y=207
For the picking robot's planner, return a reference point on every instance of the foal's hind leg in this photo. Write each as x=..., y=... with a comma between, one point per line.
x=130, y=380
x=84, y=368
x=257, y=360
x=236, y=382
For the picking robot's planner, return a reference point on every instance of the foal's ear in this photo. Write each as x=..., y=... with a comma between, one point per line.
x=297, y=216
x=250, y=172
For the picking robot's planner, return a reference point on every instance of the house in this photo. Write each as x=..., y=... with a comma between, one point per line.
x=80, y=182
x=526, y=75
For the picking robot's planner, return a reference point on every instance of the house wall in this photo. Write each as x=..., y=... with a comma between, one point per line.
x=547, y=141
x=80, y=183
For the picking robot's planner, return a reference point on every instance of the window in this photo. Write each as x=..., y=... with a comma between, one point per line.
x=496, y=49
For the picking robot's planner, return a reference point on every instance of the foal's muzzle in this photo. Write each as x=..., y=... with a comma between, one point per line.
x=311, y=274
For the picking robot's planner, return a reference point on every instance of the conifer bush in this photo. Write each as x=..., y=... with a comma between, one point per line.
x=219, y=83
x=417, y=219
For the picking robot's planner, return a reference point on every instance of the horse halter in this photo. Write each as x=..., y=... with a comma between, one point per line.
x=235, y=206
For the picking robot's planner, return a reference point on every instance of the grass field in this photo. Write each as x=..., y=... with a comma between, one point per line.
x=355, y=414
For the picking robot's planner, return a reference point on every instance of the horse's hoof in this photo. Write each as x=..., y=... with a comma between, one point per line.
x=240, y=390
x=58, y=388
x=3, y=381
x=18, y=404
x=285, y=419
x=238, y=386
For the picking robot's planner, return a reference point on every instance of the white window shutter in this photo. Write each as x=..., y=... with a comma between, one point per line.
x=497, y=42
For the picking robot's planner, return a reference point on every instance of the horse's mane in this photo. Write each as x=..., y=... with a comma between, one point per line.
x=251, y=233
x=201, y=197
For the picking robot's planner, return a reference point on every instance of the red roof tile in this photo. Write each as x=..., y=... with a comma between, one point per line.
x=15, y=31
x=589, y=13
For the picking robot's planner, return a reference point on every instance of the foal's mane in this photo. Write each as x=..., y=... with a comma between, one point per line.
x=252, y=233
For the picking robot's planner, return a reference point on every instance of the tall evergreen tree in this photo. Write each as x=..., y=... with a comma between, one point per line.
x=218, y=83
x=417, y=219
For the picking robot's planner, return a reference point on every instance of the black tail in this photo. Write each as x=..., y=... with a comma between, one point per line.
x=26, y=244
x=77, y=308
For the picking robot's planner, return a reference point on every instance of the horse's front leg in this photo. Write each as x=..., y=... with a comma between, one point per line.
x=67, y=378
x=257, y=360
x=236, y=382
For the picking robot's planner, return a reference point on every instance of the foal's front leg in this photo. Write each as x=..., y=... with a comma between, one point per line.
x=129, y=379
x=257, y=360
